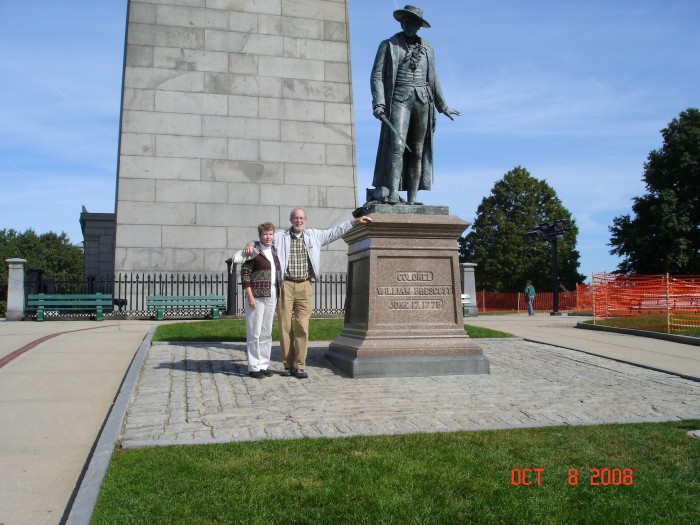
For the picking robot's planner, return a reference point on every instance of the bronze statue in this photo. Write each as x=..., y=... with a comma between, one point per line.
x=405, y=94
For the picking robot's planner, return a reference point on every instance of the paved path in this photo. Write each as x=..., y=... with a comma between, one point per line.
x=57, y=383
x=201, y=393
x=561, y=330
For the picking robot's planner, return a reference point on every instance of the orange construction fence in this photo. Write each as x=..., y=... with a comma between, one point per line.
x=654, y=302
x=578, y=300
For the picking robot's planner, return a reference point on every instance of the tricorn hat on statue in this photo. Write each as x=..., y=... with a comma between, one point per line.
x=412, y=11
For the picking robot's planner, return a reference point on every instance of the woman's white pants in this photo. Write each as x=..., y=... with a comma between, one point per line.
x=258, y=327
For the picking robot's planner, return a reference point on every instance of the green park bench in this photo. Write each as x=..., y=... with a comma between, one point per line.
x=182, y=303
x=74, y=303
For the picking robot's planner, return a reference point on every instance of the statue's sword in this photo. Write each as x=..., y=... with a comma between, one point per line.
x=395, y=131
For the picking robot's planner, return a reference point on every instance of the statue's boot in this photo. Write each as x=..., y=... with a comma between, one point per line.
x=413, y=183
x=393, y=187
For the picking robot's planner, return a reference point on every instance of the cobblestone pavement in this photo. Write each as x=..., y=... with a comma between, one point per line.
x=201, y=393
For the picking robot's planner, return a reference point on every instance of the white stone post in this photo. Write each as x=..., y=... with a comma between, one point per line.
x=469, y=286
x=15, y=289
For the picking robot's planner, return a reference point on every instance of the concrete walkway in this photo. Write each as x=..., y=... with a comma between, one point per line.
x=58, y=381
x=677, y=358
x=56, y=394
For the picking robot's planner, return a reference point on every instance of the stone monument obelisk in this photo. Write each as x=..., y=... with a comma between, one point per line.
x=233, y=113
x=403, y=316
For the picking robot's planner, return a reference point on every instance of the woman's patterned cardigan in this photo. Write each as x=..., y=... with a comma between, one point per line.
x=256, y=274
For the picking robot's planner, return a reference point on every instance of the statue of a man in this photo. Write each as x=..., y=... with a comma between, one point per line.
x=405, y=94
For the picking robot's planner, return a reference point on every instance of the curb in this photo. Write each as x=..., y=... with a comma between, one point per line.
x=685, y=339
x=82, y=503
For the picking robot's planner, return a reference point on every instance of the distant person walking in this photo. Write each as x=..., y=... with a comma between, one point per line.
x=529, y=297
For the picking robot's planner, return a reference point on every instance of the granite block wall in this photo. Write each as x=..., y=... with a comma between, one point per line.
x=234, y=112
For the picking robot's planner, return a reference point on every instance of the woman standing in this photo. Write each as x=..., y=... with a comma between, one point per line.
x=261, y=277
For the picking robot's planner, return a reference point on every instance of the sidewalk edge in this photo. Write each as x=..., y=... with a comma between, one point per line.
x=673, y=338
x=82, y=503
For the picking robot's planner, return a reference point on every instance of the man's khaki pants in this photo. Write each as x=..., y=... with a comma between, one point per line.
x=295, y=300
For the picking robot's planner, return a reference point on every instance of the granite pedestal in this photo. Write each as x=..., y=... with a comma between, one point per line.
x=403, y=314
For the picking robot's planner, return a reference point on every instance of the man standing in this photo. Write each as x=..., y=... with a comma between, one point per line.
x=405, y=94
x=529, y=297
x=299, y=252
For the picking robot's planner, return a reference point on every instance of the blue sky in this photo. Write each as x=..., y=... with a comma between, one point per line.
x=576, y=92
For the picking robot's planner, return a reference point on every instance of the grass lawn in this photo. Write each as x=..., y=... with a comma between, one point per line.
x=481, y=332
x=234, y=330
x=648, y=473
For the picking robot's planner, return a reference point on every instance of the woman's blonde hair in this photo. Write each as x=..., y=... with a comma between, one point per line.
x=266, y=227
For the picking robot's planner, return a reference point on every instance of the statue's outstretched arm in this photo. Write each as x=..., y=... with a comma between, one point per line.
x=449, y=112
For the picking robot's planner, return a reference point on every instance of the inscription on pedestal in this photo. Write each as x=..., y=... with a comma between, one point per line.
x=416, y=305
x=414, y=276
x=415, y=290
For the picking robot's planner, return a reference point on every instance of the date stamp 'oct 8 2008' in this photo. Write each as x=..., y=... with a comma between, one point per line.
x=603, y=477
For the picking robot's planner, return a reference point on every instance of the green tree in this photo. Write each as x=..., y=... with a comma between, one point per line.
x=498, y=244
x=664, y=234
x=49, y=251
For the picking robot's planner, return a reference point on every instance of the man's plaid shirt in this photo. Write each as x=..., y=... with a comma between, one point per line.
x=298, y=265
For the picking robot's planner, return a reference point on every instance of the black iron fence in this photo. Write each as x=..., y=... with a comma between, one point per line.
x=130, y=290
